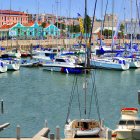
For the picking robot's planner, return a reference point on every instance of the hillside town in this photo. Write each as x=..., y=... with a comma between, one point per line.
x=22, y=25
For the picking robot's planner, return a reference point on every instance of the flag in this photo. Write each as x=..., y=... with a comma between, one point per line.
x=80, y=23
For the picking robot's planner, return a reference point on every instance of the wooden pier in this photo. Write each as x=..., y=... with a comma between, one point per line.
x=43, y=134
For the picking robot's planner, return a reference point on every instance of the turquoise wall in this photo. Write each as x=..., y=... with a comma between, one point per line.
x=36, y=30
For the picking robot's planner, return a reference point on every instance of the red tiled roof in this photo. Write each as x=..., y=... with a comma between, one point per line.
x=29, y=24
x=11, y=12
x=47, y=25
x=7, y=26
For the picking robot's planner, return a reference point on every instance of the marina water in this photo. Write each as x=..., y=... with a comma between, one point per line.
x=33, y=95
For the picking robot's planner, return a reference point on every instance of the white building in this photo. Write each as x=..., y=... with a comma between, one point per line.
x=132, y=27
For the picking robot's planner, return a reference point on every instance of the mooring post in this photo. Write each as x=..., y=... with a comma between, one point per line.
x=2, y=107
x=57, y=133
x=109, y=134
x=139, y=97
x=52, y=136
x=46, y=123
x=18, y=132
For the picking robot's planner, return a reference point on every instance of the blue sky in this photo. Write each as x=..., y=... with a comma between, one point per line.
x=68, y=7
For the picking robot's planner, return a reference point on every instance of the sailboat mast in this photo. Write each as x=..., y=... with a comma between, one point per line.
x=57, y=21
x=131, y=22
x=101, y=23
x=86, y=56
x=112, y=23
x=124, y=21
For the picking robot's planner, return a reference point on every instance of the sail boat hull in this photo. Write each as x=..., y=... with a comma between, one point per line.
x=109, y=64
x=84, y=128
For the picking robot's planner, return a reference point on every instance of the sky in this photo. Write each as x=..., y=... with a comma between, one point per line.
x=70, y=8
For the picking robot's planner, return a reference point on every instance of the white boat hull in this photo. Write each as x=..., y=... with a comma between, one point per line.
x=13, y=66
x=126, y=134
x=63, y=68
x=107, y=65
x=135, y=64
x=3, y=69
x=92, y=132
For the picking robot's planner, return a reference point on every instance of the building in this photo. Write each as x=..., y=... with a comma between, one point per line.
x=32, y=30
x=10, y=17
x=132, y=27
x=51, y=30
x=110, y=18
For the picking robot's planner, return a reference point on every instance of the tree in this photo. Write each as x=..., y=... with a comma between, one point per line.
x=43, y=25
x=87, y=23
x=122, y=28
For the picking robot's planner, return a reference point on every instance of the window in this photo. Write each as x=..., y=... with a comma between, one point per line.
x=30, y=33
x=122, y=122
x=5, y=18
x=51, y=31
x=47, y=54
x=60, y=60
x=137, y=122
x=131, y=122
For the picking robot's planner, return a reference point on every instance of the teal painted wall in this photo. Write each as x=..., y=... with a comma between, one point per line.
x=36, y=30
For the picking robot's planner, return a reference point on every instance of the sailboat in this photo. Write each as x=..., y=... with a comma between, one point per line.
x=130, y=58
x=109, y=62
x=84, y=127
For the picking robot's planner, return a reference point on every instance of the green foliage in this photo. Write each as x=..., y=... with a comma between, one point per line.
x=74, y=28
x=87, y=23
x=122, y=28
x=107, y=33
x=60, y=25
x=43, y=25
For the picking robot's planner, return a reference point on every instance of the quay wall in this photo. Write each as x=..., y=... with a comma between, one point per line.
x=48, y=43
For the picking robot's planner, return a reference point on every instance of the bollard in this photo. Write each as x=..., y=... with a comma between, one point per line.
x=109, y=134
x=102, y=123
x=57, y=133
x=2, y=107
x=52, y=136
x=139, y=97
x=18, y=132
x=46, y=123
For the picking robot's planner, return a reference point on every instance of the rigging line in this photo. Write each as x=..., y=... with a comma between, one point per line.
x=71, y=97
x=135, y=25
x=91, y=97
x=78, y=100
x=96, y=100
x=138, y=13
x=92, y=22
x=96, y=97
x=105, y=14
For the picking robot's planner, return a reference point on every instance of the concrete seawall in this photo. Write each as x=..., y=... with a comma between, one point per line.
x=25, y=44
